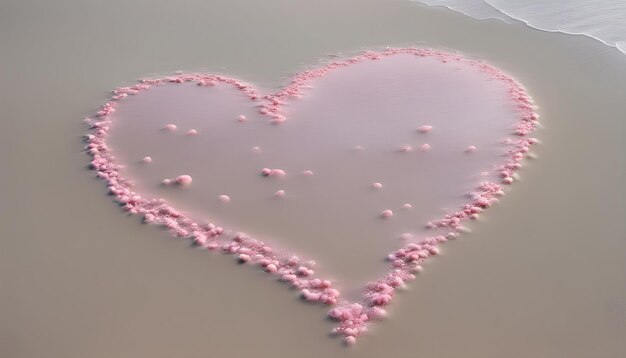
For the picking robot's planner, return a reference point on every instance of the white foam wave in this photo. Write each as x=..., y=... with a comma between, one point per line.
x=603, y=20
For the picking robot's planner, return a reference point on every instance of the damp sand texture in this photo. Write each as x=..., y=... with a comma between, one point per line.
x=81, y=279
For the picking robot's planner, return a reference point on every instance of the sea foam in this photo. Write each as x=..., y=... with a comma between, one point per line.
x=603, y=20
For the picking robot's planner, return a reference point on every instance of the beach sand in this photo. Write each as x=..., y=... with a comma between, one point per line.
x=541, y=275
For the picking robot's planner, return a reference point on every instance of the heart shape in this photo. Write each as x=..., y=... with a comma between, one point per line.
x=401, y=112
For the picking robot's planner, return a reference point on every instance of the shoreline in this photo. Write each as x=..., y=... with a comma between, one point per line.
x=508, y=18
x=92, y=282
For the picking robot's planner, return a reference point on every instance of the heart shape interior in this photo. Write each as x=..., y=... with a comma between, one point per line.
x=438, y=132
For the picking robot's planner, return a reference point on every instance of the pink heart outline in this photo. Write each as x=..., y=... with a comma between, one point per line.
x=353, y=317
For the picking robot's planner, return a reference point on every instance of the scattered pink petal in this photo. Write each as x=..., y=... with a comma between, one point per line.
x=183, y=179
x=425, y=128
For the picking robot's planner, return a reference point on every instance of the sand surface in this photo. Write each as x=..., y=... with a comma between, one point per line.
x=541, y=275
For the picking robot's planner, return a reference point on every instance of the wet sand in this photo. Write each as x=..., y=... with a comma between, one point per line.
x=543, y=274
